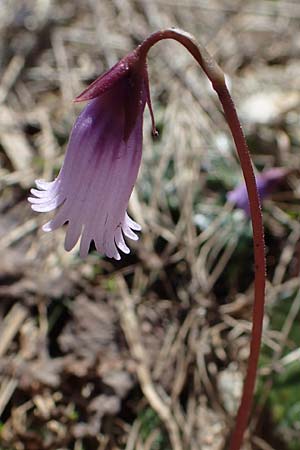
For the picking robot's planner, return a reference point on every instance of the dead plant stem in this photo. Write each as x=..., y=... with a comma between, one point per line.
x=131, y=329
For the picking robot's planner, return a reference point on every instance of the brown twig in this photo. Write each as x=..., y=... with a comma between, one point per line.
x=131, y=329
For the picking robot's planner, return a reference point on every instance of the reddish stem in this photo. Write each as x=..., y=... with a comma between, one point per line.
x=260, y=272
x=216, y=77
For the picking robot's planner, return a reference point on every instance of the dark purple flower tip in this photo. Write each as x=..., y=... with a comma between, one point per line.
x=108, y=80
x=266, y=181
x=130, y=72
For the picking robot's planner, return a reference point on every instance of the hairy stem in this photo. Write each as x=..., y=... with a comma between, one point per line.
x=216, y=76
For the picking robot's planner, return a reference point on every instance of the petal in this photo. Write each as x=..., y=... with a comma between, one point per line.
x=132, y=223
x=120, y=242
x=84, y=244
x=47, y=206
x=42, y=184
x=73, y=233
x=60, y=219
x=129, y=233
x=39, y=194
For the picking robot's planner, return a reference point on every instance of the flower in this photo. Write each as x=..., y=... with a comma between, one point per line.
x=266, y=181
x=102, y=161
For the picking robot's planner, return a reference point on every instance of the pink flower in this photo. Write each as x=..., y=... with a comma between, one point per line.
x=102, y=161
x=266, y=182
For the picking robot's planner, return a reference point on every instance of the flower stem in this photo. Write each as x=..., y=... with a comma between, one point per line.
x=260, y=271
x=216, y=76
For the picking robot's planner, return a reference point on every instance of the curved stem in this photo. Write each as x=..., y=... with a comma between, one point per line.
x=260, y=271
x=216, y=76
x=208, y=64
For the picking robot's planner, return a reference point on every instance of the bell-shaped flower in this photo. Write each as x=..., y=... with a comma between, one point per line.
x=266, y=181
x=102, y=161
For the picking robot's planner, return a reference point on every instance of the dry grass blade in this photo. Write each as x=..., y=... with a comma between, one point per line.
x=160, y=404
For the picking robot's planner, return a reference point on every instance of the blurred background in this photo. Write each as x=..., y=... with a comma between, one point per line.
x=150, y=353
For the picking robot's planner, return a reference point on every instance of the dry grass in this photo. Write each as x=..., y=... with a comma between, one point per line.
x=149, y=353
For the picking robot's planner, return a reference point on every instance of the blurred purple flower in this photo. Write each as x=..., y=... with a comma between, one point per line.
x=266, y=183
x=102, y=162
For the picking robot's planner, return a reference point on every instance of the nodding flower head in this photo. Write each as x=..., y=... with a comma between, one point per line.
x=266, y=181
x=94, y=185
x=102, y=161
